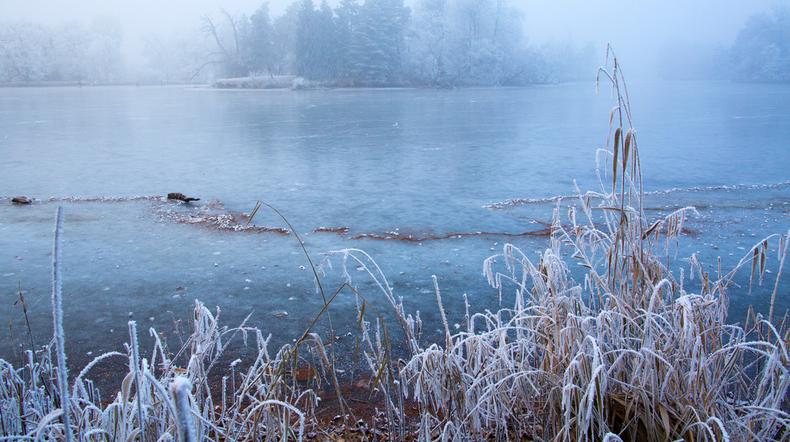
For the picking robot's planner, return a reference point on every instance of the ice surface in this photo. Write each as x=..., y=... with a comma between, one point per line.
x=339, y=168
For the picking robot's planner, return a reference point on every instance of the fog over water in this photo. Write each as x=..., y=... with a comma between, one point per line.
x=642, y=32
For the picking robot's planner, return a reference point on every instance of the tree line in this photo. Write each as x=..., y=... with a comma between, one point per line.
x=385, y=43
x=434, y=43
x=761, y=51
x=71, y=52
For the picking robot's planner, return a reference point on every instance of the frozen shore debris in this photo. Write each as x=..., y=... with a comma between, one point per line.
x=331, y=229
x=214, y=215
x=21, y=200
x=513, y=202
x=176, y=196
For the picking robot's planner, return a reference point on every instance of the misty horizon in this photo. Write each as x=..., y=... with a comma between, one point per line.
x=645, y=35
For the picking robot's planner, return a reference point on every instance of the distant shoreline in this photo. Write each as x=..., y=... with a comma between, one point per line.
x=53, y=84
x=255, y=84
x=222, y=85
x=284, y=82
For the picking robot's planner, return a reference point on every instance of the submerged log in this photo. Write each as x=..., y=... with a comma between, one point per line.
x=21, y=200
x=181, y=197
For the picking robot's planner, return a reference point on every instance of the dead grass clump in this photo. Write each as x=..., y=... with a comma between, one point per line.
x=167, y=395
x=628, y=352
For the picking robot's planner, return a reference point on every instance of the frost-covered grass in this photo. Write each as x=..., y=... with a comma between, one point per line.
x=159, y=398
x=629, y=350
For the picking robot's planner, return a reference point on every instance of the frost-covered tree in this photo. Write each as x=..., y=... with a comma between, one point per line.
x=25, y=51
x=174, y=58
x=227, y=36
x=326, y=30
x=315, y=48
x=304, y=40
x=346, y=28
x=70, y=55
x=104, y=51
x=428, y=44
x=284, y=28
x=259, y=43
x=68, y=52
x=325, y=47
x=487, y=33
x=378, y=42
x=465, y=42
x=761, y=51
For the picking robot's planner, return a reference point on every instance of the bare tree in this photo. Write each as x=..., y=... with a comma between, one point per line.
x=228, y=57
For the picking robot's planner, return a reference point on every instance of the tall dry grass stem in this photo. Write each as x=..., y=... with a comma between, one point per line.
x=57, y=325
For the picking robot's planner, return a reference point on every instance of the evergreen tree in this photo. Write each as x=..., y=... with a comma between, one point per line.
x=325, y=35
x=346, y=25
x=303, y=48
x=315, y=41
x=259, y=42
x=285, y=30
x=378, y=42
x=427, y=44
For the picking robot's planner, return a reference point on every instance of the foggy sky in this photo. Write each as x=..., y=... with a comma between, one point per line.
x=639, y=30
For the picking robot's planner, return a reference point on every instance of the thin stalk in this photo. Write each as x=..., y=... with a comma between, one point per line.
x=57, y=319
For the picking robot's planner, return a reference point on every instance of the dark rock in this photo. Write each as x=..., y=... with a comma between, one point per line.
x=21, y=200
x=181, y=197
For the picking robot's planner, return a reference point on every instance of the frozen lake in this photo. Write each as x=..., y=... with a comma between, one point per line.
x=417, y=162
